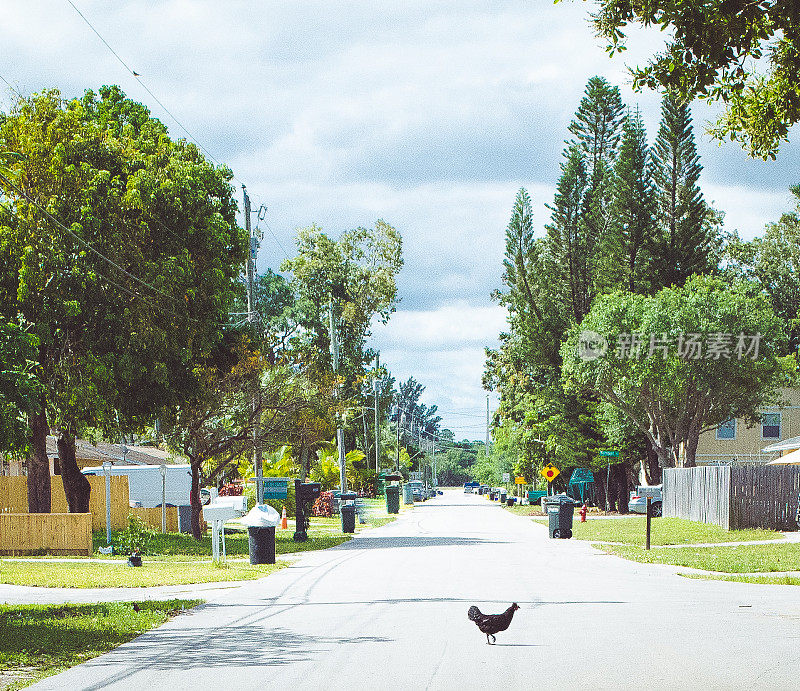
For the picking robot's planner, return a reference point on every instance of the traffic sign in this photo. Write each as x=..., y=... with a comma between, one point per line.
x=519, y=480
x=609, y=454
x=549, y=472
x=506, y=477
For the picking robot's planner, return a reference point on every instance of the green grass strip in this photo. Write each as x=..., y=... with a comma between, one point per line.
x=734, y=559
x=119, y=575
x=630, y=530
x=758, y=580
x=40, y=640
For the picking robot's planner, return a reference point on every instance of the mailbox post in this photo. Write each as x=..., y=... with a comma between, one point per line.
x=648, y=493
x=304, y=492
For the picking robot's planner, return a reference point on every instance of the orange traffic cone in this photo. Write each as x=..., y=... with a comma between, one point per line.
x=284, y=521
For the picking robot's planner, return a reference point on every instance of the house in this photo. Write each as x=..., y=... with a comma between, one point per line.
x=89, y=454
x=734, y=442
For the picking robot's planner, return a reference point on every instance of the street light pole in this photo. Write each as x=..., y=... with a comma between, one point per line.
x=376, y=388
x=339, y=430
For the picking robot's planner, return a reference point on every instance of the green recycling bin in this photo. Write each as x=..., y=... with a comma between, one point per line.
x=559, y=509
x=348, y=510
x=393, y=498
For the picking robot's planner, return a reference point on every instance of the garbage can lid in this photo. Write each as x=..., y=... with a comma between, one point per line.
x=349, y=496
x=261, y=516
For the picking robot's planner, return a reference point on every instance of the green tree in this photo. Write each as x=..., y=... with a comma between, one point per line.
x=356, y=276
x=120, y=252
x=653, y=376
x=632, y=209
x=19, y=387
x=742, y=54
x=687, y=238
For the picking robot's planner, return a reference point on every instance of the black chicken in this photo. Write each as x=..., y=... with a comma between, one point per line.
x=491, y=624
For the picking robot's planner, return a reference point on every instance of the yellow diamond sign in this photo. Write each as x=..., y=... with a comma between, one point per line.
x=549, y=472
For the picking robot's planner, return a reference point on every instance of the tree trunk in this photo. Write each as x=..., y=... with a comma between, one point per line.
x=39, y=465
x=76, y=487
x=652, y=468
x=619, y=475
x=304, y=464
x=691, y=448
x=600, y=489
x=194, y=497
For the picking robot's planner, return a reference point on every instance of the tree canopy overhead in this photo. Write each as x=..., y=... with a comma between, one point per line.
x=120, y=252
x=745, y=54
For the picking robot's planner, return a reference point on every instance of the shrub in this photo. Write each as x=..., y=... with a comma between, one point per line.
x=137, y=537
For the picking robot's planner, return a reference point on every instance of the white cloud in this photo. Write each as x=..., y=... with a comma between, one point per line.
x=427, y=114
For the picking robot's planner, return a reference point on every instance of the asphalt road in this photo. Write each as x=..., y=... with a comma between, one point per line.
x=388, y=610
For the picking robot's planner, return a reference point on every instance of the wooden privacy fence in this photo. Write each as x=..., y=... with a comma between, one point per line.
x=734, y=497
x=14, y=499
x=152, y=517
x=54, y=533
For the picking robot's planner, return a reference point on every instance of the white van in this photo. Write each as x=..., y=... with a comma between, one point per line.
x=144, y=483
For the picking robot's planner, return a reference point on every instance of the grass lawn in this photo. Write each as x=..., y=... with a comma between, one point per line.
x=117, y=574
x=39, y=640
x=528, y=510
x=760, y=580
x=734, y=559
x=322, y=533
x=630, y=530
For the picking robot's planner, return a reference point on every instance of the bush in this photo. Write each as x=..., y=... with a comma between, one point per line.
x=137, y=537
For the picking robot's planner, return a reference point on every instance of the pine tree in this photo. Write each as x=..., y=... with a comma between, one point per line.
x=687, y=234
x=596, y=125
x=569, y=248
x=632, y=210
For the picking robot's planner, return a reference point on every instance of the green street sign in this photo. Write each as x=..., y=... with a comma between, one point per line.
x=275, y=487
x=610, y=454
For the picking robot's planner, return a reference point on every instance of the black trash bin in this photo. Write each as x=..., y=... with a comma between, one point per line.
x=503, y=497
x=261, y=543
x=348, y=510
x=559, y=513
x=393, y=498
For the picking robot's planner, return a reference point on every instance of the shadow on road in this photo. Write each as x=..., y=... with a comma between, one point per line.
x=233, y=646
x=417, y=541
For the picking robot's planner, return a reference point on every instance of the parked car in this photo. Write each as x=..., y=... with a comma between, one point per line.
x=417, y=490
x=470, y=487
x=638, y=504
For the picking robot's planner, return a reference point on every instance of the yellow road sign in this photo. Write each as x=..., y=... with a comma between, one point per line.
x=549, y=472
x=519, y=480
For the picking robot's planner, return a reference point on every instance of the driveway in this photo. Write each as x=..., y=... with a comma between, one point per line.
x=388, y=610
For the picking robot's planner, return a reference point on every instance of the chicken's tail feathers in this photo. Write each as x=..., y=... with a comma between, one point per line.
x=474, y=613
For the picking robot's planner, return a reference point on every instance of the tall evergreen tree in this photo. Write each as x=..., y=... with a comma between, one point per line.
x=569, y=244
x=632, y=209
x=596, y=127
x=687, y=235
x=597, y=124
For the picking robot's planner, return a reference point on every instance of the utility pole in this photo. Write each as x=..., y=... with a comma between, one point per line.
x=487, y=424
x=375, y=388
x=400, y=416
x=339, y=431
x=250, y=272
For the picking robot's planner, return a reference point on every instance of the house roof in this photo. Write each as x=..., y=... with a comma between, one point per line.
x=106, y=451
x=792, y=458
x=785, y=445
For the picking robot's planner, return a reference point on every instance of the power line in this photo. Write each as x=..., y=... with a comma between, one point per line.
x=8, y=84
x=48, y=216
x=138, y=77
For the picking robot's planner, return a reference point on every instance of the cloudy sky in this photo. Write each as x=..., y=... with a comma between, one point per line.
x=429, y=115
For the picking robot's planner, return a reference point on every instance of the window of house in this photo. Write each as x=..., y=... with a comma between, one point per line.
x=727, y=430
x=771, y=426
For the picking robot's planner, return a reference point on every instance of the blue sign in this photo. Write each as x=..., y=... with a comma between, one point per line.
x=276, y=488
